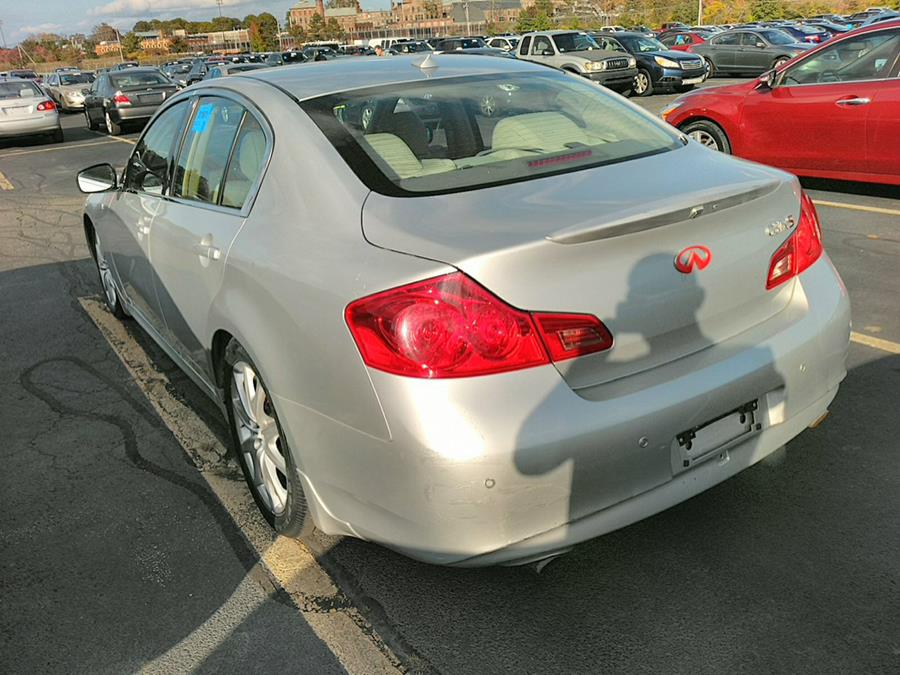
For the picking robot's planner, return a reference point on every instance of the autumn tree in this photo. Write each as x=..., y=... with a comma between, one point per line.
x=316, y=28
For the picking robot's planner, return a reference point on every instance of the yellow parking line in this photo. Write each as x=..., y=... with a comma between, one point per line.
x=4, y=183
x=876, y=343
x=19, y=153
x=857, y=207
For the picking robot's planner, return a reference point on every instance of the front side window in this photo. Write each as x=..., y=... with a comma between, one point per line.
x=866, y=57
x=148, y=168
x=574, y=42
x=466, y=133
x=542, y=45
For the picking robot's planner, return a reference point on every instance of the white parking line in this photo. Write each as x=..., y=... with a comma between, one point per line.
x=875, y=343
x=19, y=153
x=4, y=183
x=857, y=207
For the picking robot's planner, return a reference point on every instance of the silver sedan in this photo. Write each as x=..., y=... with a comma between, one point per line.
x=25, y=110
x=477, y=340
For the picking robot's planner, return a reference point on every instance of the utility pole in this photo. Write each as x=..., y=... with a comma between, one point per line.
x=219, y=3
x=2, y=36
x=119, y=42
x=699, y=12
x=468, y=27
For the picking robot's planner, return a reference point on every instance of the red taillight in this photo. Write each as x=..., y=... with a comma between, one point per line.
x=450, y=326
x=800, y=250
x=121, y=99
x=44, y=106
x=569, y=335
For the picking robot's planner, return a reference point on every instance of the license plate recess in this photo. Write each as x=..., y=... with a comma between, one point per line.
x=702, y=442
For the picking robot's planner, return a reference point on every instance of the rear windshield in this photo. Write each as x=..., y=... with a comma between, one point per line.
x=10, y=90
x=777, y=37
x=138, y=79
x=458, y=134
x=77, y=78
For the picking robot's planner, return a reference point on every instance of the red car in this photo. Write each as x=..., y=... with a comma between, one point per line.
x=831, y=112
x=682, y=41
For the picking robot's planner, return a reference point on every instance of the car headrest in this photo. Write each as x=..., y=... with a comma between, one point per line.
x=543, y=130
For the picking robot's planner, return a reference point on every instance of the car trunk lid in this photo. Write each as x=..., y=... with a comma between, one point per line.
x=604, y=241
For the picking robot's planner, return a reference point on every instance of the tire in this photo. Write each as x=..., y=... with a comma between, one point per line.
x=91, y=124
x=643, y=83
x=681, y=89
x=272, y=476
x=709, y=134
x=713, y=72
x=107, y=283
x=112, y=128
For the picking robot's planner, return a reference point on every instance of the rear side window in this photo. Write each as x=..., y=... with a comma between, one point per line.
x=206, y=149
x=727, y=39
x=222, y=156
x=454, y=134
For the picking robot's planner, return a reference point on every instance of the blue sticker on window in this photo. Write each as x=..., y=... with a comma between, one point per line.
x=201, y=119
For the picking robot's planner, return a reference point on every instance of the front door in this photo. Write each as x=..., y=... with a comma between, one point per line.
x=125, y=228
x=754, y=55
x=216, y=172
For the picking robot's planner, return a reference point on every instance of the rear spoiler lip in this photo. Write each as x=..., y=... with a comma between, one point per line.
x=701, y=204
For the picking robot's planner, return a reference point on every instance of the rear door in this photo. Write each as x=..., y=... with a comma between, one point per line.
x=723, y=51
x=217, y=171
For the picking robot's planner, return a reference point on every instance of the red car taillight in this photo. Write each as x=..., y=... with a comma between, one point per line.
x=44, y=106
x=121, y=99
x=450, y=326
x=800, y=250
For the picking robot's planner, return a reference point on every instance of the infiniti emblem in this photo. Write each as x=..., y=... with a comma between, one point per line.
x=780, y=226
x=691, y=258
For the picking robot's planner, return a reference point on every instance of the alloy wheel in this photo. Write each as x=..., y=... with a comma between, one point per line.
x=641, y=82
x=259, y=437
x=705, y=138
x=109, y=122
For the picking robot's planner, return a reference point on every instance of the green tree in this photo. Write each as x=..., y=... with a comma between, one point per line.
x=333, y=30
x=179, y=46
x=131, y=44
x=316, y=29
x=767, y=10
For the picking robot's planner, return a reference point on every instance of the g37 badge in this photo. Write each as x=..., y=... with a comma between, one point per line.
x=780, y=226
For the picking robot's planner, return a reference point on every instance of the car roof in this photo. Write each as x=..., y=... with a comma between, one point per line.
x=309, y=80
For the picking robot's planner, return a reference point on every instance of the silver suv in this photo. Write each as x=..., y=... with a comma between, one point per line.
x=578, y=53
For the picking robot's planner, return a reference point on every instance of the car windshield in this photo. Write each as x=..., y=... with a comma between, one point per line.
x=777, y=37
x=78, y=78
x=574, y=42
x=138, y=79
x=26, y=74
x=643, y=44
x=465, y=133
x=23, y=89
x=179, y=68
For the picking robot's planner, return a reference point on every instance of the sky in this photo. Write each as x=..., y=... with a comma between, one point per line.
x=23, y=17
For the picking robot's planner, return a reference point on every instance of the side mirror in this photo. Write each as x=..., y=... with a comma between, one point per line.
x=97, y=178
x=767, y=80
x=547, y=52
x=760, y=45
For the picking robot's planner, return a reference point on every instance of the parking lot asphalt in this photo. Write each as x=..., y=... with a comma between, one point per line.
x=125, y=543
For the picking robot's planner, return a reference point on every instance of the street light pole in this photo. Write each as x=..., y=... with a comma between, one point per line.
x=699, y=12
x=2, y=36
x=119, y=42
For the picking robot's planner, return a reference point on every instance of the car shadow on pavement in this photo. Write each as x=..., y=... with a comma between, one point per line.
x=116, y=554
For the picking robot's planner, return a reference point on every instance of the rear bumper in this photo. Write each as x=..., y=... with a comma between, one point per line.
x=510, y=468
x=132, y=113
x=44, y=123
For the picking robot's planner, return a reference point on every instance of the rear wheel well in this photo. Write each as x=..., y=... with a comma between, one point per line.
x=217, y=354
x=89, y=236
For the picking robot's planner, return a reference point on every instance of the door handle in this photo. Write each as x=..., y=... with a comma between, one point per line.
x=207, y=251
x=853, y=101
